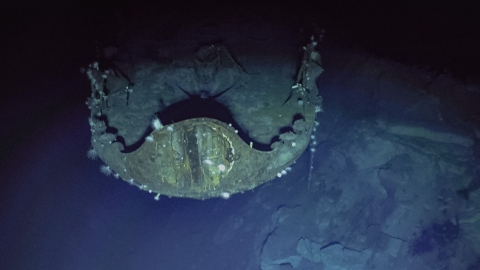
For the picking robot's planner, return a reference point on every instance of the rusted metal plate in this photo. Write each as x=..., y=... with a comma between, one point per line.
x=198, y=158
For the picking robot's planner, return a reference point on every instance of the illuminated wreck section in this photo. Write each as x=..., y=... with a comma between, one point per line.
x=202, y=126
